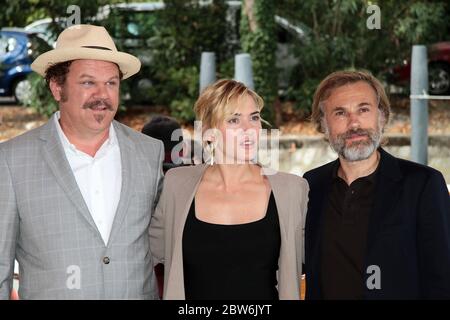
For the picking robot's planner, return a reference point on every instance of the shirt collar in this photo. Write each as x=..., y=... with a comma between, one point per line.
x=371, y=178
x=111, y=141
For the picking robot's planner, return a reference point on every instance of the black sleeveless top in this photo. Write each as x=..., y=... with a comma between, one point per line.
x=231, y=261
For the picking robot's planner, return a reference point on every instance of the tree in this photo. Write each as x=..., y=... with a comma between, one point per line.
x=258, y=38
x=22, y=12
x=338, y=37
x=186, y=29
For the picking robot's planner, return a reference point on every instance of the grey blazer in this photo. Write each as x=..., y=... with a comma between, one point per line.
x=166, y=228
x=46, y=225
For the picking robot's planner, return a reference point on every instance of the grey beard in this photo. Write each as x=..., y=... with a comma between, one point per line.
x=359, y=150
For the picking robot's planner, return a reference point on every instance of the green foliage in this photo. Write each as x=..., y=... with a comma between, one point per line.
x=19, y=13
x=187, y=29
x=41, y=100
x=338, y=38
x=187, y=78
x=259, y=42
x=423, y=22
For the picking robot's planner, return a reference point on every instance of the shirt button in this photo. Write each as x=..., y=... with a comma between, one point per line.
x=106, y=260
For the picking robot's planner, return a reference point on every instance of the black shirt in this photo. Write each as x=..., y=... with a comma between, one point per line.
x=231, y=261
x=345, y=237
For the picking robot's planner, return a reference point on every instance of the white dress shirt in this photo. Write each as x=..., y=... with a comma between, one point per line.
x=99, y=178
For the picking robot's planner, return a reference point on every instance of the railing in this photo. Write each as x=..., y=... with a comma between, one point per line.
x=426, y=96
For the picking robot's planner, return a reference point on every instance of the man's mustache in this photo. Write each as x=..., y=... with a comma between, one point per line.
x=359, y=132
x=98, y=102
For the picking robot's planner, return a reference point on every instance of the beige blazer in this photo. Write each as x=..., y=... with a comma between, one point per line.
x=167, y=225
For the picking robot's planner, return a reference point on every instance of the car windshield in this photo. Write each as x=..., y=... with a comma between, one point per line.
x=37, y=46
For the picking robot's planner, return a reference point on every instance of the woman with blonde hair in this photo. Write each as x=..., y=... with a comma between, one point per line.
x=228, y=229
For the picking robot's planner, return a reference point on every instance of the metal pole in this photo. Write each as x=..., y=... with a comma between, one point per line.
x=207, y=69
x=419, y=107
x=243, y=70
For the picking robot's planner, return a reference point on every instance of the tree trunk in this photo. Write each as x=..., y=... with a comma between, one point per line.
x=250, y=13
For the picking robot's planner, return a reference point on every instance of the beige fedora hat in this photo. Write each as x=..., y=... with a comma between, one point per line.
x=85, y=41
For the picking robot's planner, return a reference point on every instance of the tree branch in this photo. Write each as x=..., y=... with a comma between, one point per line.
x=249, y=12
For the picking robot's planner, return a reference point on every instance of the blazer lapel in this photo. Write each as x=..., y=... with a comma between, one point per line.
x=282, y=201
x=186, y=199
x=129, y=163
x=183, y=201
x=387, y=191
x=318, y=202
x=55, y=157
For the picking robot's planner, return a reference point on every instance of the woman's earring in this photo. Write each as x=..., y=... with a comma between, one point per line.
x=211, y=150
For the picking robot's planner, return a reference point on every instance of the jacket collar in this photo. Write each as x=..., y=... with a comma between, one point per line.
x=55, y=157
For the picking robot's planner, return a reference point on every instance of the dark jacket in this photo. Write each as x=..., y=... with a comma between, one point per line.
x=408, y=233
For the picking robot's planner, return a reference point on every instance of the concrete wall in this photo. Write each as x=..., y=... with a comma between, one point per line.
x=299, y=154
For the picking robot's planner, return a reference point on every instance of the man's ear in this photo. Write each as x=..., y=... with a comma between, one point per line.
x=55, y=88
x=382, y=119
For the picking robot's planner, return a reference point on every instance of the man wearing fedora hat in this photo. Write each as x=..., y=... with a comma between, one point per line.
x=77, y=194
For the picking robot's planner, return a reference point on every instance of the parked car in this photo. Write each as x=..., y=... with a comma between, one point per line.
x=44, y=29
x=18, y=49
x=438, y=70
x=133, y=25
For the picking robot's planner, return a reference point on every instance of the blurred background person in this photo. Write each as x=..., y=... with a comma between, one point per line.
x=161, y=128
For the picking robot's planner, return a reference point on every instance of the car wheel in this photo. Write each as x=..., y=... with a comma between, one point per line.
x=22, y=91
x=439, y=78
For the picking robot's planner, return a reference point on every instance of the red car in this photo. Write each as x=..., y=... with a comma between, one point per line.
x=438, y=70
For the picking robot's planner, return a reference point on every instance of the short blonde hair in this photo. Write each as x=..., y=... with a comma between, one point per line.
x=341, y=78
x=220, y=100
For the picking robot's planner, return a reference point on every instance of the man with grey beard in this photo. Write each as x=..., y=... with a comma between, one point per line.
x=77, y=194
x=377, y=227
